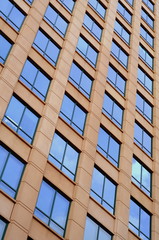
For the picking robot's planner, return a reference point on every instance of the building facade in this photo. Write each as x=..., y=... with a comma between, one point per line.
x=79, y=111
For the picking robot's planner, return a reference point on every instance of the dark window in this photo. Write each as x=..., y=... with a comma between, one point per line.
x=98, y=7
x=116, y=79
x=124, y=12
x=94, y=231
x=119, y=54
x=73, y=114
x=87, y=51
x=64, y=156
x=149, y=20
x=147, y=36
x=12, y=14
x=21, y=119
x=145, y=80
x=29, y=1
x=35, y=79
x=3, y=226
x=112, y=109
x=108, y=146
x=45, y=45
x=131, y=2
x=103, y=190
x=143, y=139
x=92, y=26
x=11, y=169
x=68, y=4
x=5, y=47
x=121, y=30
x=52, y=208
x=140, y=221
x=141, y=176
x=146, y=56
x=144, y=107
x=149, y=4
x=56, y=20
x=80, y=79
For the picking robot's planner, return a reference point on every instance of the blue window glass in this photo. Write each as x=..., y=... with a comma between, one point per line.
x=112, y=109
x=64, y=156
x=92, y=26
x=143, y=139
x=5, y=47
x=149, y=4
x=147, y=36
x=21, y=119
x=146, y=56
x=3, y=226
x=56, y=20
x=147, y=18
x=80, y=79
x=68, y=4
x=35, y=79
x=108, y=146
x=145, y=80
x=11, y=169
x=141, y=176
x=119, y=54
x=73, y=114
x=131, y=2
x=98, y=7
x=103, y=190
x=144, y=107
x=124, y=12
x=87, y=51
x=122, y=32
x=94, y=231
x=29, y=1
x=45, y=45
x=12, y=14
x=140, y=221
x=116, y=79
x=52, y=208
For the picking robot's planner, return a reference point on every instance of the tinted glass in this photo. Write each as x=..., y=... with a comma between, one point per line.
x=145, y=55
x=68, y=4
x=147, y=18
x=145, y=80
x=98, y=7
x=149, y=4
x=144, y=107
x=124, y=12
x=120, y=55
x=3, y=226
x=5, y=47
x=146, y=35
x=121, y=30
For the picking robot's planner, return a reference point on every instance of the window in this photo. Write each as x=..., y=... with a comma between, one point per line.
x=119, y=54
x=143, y=139
x=103, y=190
x=98, y=7
x=108, y=146
x=35, y=79
x=87, y=51
x=121, y=30
x=52, y=208
x=5, y=47
x=94, y=231
x=80, y=79
x=116, y=79
x=68, y=4
x=29, y=1
x=12, y=14
x=146, y=17
x=73, y=114
x=21, y=119
x=64, y=156
x=140, y=221
x=149, y=4
x=145, y=80
x=112, y=109
x=130, y=2
x=146, y=56
x=45, y=45
x=144, y=107
x=3, y=226
x=11, y=169
x=141, y=176
x=56, y=20
x=92, y=26
x=147, y=36
x=124, y=12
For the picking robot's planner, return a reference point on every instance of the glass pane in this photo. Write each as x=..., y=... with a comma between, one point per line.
x=82, y=46
x=114, y=150
x=58, y=148
x=91, y=229
x=2, y=228
x=41, y=41
x=16, y=17
x=109, y=192
x=97, y=182
x=146, y=178
x=103, y=235
x=3, y=158
x=103, y=139
x=5, y=47
x=67, y=107
x=136, y=170
x=134, y=214
x=145, y=223
x=79, y=118
x=71, y=158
